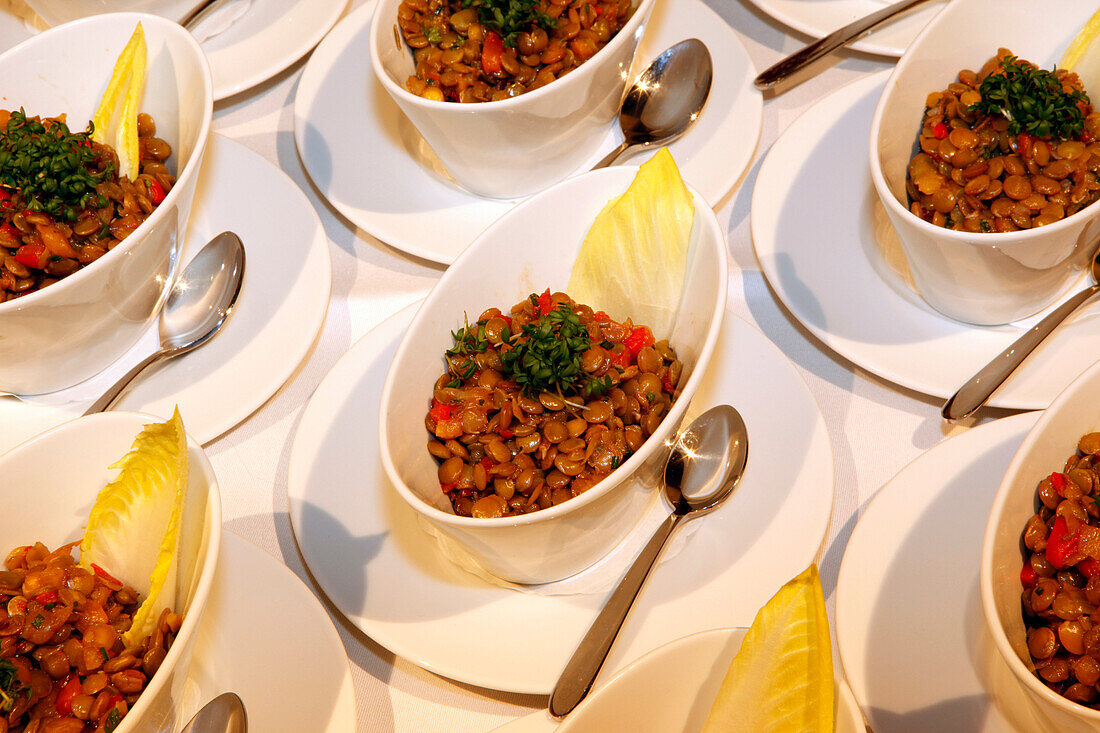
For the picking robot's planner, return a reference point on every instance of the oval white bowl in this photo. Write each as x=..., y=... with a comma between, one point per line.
x=530, y=248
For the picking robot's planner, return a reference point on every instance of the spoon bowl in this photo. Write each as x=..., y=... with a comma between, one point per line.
x=704, y=467
x=197, y=307
x=224, y=714
x=665, y=99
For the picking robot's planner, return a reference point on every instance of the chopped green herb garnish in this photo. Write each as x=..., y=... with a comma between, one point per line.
x=52, y=169
x=546, y=356
x=432, y=33
x=38, y=621
x=10, y=687
x=985, y=226
x=509, y=18
x=106, y=656
x=1032, y=100
x=112, y=721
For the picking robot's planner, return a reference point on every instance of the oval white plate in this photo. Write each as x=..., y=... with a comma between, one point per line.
x=366, y=158
x=909, y=623
x=281, y=307
x=644, y=697
x=819, y=18
x=367, y=552
x=266, y=638
x=271, y=36
x=831, y=256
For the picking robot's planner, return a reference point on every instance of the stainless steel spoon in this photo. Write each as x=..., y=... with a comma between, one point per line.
x=198, y=306
x=665, y=99
x=224, y=714
x=979, y=388
x=841, y=37
x=707, y=461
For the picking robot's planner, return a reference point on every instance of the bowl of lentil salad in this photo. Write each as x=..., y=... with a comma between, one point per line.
x=529, y=250
x=64, y=491
x=1038, y=574
x=1001, y=235
x=71, y=312
x=517, y=105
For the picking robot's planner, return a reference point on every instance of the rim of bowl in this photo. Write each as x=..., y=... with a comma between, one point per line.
x=985, y=575
x=617, y=476
x=187, y=172
x=887, y=195
x=570, y=79
x=212, y=523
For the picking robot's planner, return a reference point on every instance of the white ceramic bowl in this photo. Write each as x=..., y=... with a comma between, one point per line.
x=69, y=331
x=56, y=12
x=992, y=278
x=645, y=698
x=516, y=146
x=52, y=498
x=1054, y=437
x=530, y=248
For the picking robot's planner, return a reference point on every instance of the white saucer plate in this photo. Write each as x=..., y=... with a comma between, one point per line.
x=384, y=573
x=271, y=36
x=909, y=623
x=279, y=312
x=831, y=256
x=645, y=698
x=266, y=638
x=819, y=18
x=368, y=160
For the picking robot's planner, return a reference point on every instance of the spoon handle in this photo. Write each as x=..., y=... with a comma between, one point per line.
x=577, y=677
x=610, y=157
x=108, y=398
x=839, y=38
x=982, y=385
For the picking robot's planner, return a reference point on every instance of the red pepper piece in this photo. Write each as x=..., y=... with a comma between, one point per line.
x=1057, y=480
x=621, y=359
x=440, y=411
x=507, y=320
x=156, y=193
x=1089, y=567
x=10, y=234
x=1023, y=145
x=1061, y=544
x=1028, y=576
x=106, y=576
x=47, y=597
x=544, y=303
x=486, y=463
x=940, y=131
x=491, y=51
x=505, y=433
x=32, y=255
x=64, y=701
x=638, y=339
x=601, y=317
x=667, y=384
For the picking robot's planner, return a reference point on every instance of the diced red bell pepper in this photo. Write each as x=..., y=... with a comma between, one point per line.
x=1028, y=576
x=638, y=339
x=1061, y=544
x=156, y=193
x=486, y=463
x=32, y=255
x=507, y=320
x=1023, y=144
x=64, y=702
x=506, y=433
x=667, y=384
x=601, y=317
x=544, y=303
x=440, y=411
x=1057, y=480
x=621, y=359
x=1089, y=567
x=941, y=131
x=492, y=48
x=47, y=597
x=105, y=575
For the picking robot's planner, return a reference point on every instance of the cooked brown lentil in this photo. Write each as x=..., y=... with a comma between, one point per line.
x=460, y=59
x=37, y=249
x=973, y=175
x=504, y=451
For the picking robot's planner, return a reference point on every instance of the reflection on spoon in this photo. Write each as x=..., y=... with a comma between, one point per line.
x=224, y=714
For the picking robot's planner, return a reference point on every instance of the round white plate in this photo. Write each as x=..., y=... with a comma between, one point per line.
x=645, y=697
x=910, y=631
x=266, y=638
x=819, y=18
x=271, y=36
x=279, y=312
x=368, y=160
x=366, y=550
x=831, y=256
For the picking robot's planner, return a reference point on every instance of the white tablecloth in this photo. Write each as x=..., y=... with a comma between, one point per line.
x=875, y=427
